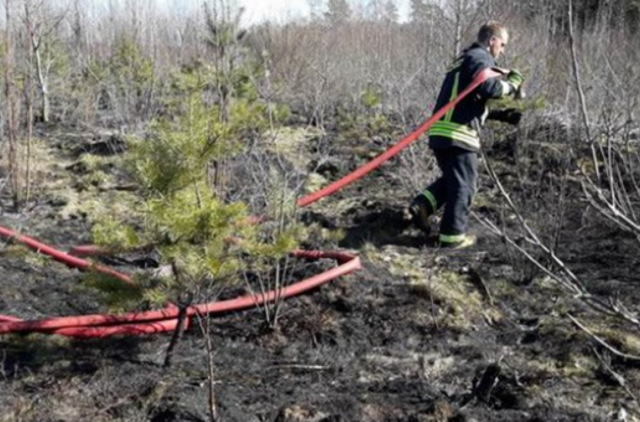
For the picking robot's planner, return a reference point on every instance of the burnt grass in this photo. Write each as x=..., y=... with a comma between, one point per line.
x=417, y=335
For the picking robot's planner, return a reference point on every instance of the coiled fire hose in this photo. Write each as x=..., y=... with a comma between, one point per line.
x=149, y=322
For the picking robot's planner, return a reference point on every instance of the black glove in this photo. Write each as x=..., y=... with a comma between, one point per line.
x=506, y=115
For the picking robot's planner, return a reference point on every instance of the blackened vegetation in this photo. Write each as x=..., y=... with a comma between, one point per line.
x=418, y=335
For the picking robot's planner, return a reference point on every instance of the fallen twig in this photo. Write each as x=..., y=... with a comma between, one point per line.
x=299, y=366
x=603, y=342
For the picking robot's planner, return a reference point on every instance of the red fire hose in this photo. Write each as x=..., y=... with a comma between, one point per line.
x=88, y=326
x=405, y=142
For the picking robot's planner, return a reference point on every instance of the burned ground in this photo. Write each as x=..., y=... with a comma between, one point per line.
x=417, y=335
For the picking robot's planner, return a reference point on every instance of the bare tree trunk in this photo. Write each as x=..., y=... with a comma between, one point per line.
x=34, y=50
x=177, y=336
x=11, y=117
x=223, y=39
x=211, y=376
x=578, y=82
x=44, y=86
x=459, y=12
x=183, y=304
x=576, y=73
x=28, y=95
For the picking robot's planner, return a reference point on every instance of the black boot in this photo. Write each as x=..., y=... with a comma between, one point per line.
x=420, y=210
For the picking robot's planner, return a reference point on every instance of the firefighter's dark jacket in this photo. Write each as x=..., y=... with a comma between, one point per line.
x=459, y=127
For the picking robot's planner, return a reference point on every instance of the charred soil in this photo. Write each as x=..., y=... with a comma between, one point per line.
x=419, y=334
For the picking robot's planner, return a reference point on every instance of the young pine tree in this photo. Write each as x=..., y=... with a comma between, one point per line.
x=205, y=241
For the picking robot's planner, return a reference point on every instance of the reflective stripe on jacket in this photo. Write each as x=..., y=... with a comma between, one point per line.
x=459, y=127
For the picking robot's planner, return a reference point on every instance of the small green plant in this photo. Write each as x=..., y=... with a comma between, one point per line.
x=361, y=126
x=204, y=240
x=371, y=98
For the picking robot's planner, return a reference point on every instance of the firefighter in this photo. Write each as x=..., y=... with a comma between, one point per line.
x=454, y=139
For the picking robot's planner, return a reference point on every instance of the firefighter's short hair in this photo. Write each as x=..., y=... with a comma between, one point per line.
x=491, y=29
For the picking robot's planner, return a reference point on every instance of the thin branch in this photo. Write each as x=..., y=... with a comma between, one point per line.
x=603, y=342
x=609, y=209
x=576, y=74
x=615, y=375
x=502, y=234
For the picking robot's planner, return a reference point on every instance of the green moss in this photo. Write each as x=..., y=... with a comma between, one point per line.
x=371, y=252
x=91, y=162
x=501, y=287
x=460, y=304
x=403, y=266
x=574, y=366
x=625, y=341
x=315, y=182
x=292, y=144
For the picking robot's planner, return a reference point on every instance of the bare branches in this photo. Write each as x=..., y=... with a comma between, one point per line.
x=608, y=208
x=571, y=281
x=566, y=278
x=610, y=201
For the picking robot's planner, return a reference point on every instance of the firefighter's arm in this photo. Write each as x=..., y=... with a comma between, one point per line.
x=501, y=86
x=512, y=83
